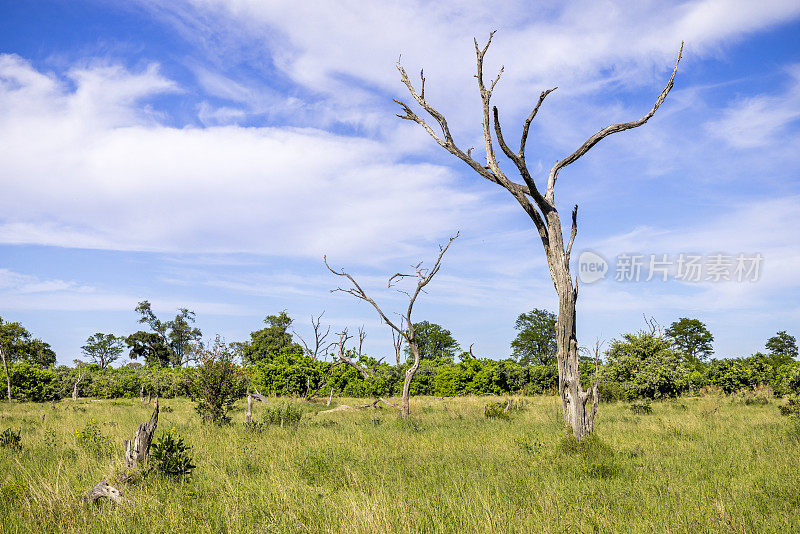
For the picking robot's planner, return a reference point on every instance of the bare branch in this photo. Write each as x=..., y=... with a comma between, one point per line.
x=574, y=231
x=529, y=120
x=608, y=130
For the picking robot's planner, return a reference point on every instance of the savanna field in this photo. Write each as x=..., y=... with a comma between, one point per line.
x=709, y=463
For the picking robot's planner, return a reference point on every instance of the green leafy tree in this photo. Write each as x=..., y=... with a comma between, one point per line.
x=693, y=339
x=150, y=347
x=178, y=335
x=536, y=341
x=219, y=382
x=18, y=344
x=783, y=346
x=103, y=349
x=645, y=365
x=434, y=342
x=267, y=343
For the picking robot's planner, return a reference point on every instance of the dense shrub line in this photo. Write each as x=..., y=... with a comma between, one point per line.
x=641, y=367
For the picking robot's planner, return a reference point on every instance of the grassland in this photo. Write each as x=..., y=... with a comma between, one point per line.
x=698, y=464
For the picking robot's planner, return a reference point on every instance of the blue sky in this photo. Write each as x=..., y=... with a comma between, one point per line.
x=207, y=154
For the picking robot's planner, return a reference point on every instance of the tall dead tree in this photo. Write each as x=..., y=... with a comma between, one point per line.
x=423, y=277
x=5, y=368
x=541, y=208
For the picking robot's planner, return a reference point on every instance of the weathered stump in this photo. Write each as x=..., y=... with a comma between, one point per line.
x=102, y=490
x=141, y=441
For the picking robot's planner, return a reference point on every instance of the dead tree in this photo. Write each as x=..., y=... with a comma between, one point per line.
x=137, y=454
x=319, y=346
x=540, y=207
x=5, y=368
x=423, y=277
x=81, y=373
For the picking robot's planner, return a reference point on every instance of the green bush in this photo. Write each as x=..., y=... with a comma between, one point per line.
x=29, y=382
x=11, y=439
x=645, y=366
x=792, y=407
x=219, y=383
x=171, y=457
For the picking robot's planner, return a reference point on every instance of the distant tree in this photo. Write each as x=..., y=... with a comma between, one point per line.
x=150, y=347
x=693, y=339
x=103, y=349
x=783, y=345
x=536, y=341
x=19, y=345
x=434, y=342
x=178, y=335
x=266, y=343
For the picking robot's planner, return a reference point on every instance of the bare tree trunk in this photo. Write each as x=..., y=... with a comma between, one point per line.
x=5, y=368
x=410, y=372
x=541, y=208
x=141, y=440
x=248, y=415
x=330, y=398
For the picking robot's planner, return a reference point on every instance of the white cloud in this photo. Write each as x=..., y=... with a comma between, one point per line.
x=83, y=171
x=758, y=121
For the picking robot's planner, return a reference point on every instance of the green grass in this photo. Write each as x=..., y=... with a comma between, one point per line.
x=682, y=468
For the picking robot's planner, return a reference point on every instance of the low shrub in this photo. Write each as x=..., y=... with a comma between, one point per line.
x=92, y=439
x=11, y=439
x=792, y=407
x=496, y=410
x=641, y=408
x=171, y=457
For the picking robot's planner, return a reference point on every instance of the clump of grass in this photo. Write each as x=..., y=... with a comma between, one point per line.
x=11, y=439
x=530, y=446
x=760, y=396
x=597, y=459
x=641, y=408
x=171, y=456
x=286, y=414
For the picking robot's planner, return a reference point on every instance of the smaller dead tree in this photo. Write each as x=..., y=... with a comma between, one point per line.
x=137, y=453
x=319, y=347
x=423, y=277
x=80, y=366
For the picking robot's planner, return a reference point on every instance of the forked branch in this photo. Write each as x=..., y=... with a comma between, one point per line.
x=608, y=130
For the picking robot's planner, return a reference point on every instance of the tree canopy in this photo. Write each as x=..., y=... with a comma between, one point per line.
x=178, y=335
x=782, y=344
x=266, y=343
x=103, y=349
x=434, y=342
x=536, y=341
x=693, y=339
x=19, y=345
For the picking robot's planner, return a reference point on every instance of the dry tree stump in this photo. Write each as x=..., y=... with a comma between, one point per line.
x=103, y=490
x=137, y=453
